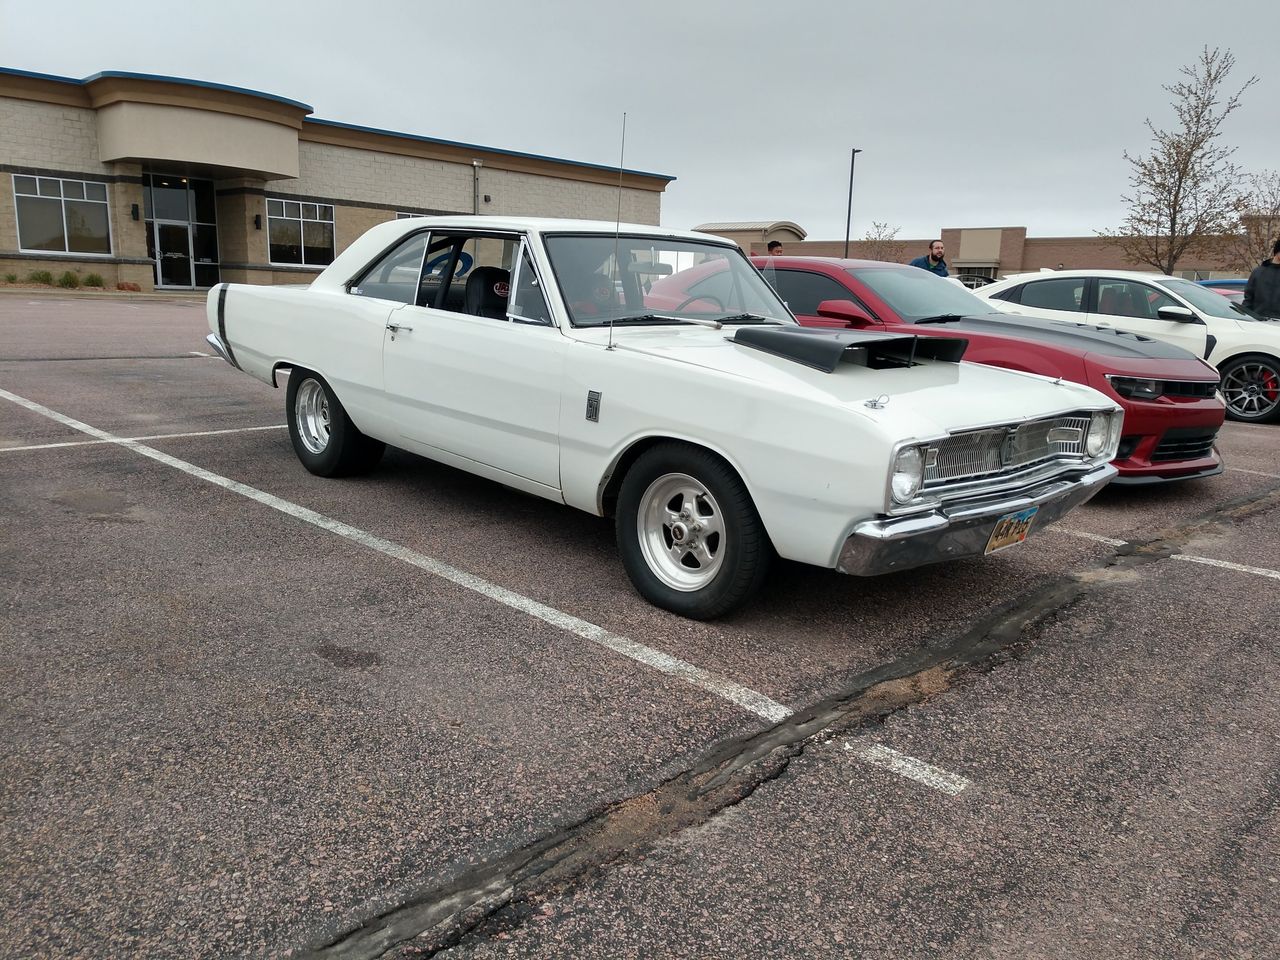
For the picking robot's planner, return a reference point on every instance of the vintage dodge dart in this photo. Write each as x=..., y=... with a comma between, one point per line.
x=715, y=430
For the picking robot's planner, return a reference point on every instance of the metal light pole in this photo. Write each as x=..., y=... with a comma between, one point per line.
x=848, y=218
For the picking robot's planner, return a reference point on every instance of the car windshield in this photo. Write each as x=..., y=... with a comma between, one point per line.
x=657, y=280
x=1204, y=300
x=916, y=294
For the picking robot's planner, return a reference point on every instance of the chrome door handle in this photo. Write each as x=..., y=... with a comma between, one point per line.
x=397, y=327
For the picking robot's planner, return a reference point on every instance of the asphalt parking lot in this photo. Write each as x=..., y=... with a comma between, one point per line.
x=251, y=712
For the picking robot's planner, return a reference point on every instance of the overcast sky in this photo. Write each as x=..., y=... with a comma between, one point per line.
x=1008, y=112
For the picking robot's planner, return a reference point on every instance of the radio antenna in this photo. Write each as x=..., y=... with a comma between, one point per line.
x=617, y=225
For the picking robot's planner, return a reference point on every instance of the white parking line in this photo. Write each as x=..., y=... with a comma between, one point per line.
x=1085, y=535
x=911, y=768
x=744, y=697
x=1227, y=565
x=156, y=436
x=197, y=353
x=1256, y=473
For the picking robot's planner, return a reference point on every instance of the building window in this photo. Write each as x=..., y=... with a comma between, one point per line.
x=408, y=216
x=62, y=216
x=300, y=234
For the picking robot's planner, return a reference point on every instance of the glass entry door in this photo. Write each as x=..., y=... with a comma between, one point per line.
x=173, y=254
x=182, y=230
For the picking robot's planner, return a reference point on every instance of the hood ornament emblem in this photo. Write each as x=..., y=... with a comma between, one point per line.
x=878, y=403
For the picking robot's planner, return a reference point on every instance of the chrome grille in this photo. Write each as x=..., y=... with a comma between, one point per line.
x=980, y=453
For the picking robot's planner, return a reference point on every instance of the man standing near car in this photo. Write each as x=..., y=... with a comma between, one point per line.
x=1262, y=292
x=933, y=261
x=775, y=248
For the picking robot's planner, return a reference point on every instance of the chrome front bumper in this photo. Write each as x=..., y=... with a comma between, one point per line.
x=960, y=529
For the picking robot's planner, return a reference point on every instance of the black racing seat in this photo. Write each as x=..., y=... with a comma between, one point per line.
x=487, y=292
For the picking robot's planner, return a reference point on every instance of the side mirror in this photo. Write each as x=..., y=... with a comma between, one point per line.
x=845, y=310
x=1177, y=314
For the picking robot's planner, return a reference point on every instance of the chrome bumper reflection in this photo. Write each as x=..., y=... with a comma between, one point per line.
x=961, y=529
x=219, y=347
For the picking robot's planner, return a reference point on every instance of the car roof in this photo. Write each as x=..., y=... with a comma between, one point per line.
x=1149, y=276
x=788, y=260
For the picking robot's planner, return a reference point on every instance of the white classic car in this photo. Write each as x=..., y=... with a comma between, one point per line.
x=543, y=355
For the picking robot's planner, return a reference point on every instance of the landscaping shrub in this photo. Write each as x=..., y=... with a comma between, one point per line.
x=94, y=280
x=40, y=276
x=69, y=281
x=10, y=278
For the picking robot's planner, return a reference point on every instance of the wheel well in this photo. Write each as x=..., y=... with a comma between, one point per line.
x=1248, y=353
x=609, y=495
x=282, y=365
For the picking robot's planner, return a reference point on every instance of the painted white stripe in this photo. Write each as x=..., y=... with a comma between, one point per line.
x=744, y=697
x=1256, y=473
x=1085, y=535
x=911, y=768
x=197, y=353
x=156, y=436
x=1227, y=565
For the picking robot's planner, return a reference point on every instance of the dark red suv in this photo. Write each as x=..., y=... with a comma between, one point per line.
x=1172, y=412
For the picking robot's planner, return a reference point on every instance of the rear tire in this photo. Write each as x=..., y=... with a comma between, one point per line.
x=1251, y=387
x=690, y=537
x=324, y=438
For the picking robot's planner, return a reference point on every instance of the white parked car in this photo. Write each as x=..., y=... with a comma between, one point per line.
x=1243, y=346
x=715, y=429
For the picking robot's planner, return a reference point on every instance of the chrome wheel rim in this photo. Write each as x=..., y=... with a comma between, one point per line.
x=311, y=413
x=1252, y=390
x=682, y=535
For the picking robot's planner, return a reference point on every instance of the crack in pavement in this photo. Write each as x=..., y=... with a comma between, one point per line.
x=496, y=894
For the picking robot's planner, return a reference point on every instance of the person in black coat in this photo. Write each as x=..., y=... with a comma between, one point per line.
x=1262, y=292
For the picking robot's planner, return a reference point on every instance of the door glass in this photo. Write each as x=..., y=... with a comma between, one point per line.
x=169, y=198
x=174, y=248
x=1066, y=293
x=1124, y=298
x=528, y=303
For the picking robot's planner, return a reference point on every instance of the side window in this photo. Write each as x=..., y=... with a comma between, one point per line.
x=1066, y=293
x=527, y=301
x=395, y=276
x=469, y=273
x=1127, y=298
x=1012, y=295
x=803, y=291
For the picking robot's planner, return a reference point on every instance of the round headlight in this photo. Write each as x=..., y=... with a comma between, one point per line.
x=908, y=474
x=1095, y=444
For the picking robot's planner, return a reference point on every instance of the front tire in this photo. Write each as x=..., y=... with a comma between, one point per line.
x=690, y=537
x=324, y=438
x=1251, y=387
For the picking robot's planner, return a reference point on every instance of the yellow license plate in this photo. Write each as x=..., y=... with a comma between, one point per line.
x=1010, y=529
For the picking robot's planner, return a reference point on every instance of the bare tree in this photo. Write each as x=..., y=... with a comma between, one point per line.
x=1257, y=224
x=1184, y=191
x=881, y=243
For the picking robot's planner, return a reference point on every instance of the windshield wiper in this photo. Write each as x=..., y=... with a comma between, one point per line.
x=658, y=318
x=942, y=318
x=748, y=318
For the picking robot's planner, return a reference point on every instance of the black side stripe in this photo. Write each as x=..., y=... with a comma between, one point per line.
x=222, y=325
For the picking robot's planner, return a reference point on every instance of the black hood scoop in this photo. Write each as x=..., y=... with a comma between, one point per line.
x=826, y=349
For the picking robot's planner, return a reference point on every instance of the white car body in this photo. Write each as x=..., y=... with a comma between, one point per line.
x=510, y=401
x=1212, y=328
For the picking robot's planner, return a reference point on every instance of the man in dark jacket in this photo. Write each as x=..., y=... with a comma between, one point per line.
x=933, y=261
x=1262, y=292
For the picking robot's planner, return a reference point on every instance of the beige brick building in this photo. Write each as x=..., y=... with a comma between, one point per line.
x=987, y=251
x=174, y=183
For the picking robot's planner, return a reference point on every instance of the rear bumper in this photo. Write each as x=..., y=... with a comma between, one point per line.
x=220, y=348
x=960, y=530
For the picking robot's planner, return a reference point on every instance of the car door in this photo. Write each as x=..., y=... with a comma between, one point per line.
x=1054, y=298
x=1133, y=306
x=803, y=290
x=477, y=374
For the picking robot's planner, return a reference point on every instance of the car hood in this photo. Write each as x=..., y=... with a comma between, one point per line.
x=1080, y=337
x=932, y=397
